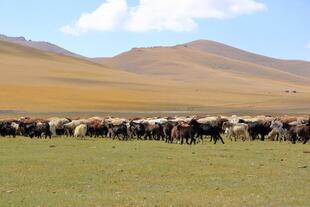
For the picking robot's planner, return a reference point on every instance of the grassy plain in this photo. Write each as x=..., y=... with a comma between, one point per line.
x=101, y=172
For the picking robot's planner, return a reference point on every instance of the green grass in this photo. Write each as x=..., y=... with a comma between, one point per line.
x=102, y=172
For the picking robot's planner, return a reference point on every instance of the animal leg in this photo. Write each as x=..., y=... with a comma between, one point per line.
x=220, y=137
x=306, y=140
x=215, y=139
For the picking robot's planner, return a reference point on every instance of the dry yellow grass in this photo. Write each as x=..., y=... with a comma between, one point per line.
x=36, y=81
x=189, y=64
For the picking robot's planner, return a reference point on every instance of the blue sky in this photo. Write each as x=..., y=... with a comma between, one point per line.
x=274, y=28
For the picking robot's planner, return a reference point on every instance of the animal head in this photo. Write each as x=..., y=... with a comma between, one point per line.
x=226, y=125
x=193, y=122
x=276, y=124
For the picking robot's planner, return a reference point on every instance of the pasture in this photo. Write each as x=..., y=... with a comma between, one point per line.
x=103, y=172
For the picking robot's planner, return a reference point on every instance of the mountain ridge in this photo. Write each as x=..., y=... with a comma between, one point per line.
x=243, y=55
x=41, y=45
x=183, y=61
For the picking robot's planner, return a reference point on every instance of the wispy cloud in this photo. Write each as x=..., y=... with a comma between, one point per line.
x=159, y=15
x=69, y=30
x=308, y=46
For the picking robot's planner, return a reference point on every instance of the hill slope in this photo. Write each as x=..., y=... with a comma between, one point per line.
x=169, y=79
x=33, y=80
x=297, y=67
x=203, y=59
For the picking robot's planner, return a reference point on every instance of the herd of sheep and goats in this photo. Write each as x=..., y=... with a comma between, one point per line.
x=189, y=130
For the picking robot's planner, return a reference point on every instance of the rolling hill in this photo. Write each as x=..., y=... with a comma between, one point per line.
x=184, y=78
x=297, y=67
x=203, y=59
x=33, y=80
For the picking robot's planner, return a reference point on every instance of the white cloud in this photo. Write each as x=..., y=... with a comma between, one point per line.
x=111, y=15
x=171, y=15
x=181, y=15
x=308, y=45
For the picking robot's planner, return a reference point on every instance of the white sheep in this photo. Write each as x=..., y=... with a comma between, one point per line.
x=57, y=123
x=80, y=131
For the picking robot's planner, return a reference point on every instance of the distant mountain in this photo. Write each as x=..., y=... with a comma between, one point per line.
x=210, y=62
x=297, y=67
x=41, y=45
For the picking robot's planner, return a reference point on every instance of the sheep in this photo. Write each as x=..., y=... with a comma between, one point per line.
x=116, y=121
x=273, y=135
x=80, y=131
x=57, y=124
x=237, y=130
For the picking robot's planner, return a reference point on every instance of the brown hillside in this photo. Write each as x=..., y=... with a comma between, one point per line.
x=173, y=79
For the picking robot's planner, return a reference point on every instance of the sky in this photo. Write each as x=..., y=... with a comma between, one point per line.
x=104, y=28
